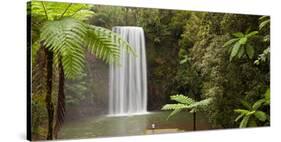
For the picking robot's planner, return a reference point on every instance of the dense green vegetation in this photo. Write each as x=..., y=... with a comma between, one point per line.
x=216, y=60
x=65, y=38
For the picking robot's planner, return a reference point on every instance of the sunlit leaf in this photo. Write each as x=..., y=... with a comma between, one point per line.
x=252, y=34
x=238, y=34
x=235, y=50
x=243, y=40
x=230, y=42
x=263, y=24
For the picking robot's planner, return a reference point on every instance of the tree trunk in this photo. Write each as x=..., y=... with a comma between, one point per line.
x=196, y=98
x=194, y=121
x=48, y=99
x=60, y=102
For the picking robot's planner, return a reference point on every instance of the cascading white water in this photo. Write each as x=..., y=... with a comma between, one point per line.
x=128, y=81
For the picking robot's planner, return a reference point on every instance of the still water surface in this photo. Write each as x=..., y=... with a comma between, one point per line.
x=105, y=126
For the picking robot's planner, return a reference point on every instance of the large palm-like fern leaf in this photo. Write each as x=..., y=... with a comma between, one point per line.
x=102, y=46
x=106, y=44
x=182, y=99
x=185, y=103
x=69, y=37
x=66, y=37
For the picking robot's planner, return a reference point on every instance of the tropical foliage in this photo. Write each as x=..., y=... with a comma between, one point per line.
x=263, y=27
x=240, y=45
x=254, y=113
x=186, y=103
x=220, y=62
x=66, y=39
x=64, y=33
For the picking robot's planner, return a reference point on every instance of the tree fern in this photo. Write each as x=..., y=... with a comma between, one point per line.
x=185, y=103
x=63, y=33
x=66, y=37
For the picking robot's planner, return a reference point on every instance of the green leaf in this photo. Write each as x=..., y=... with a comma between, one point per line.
x=65, y=38
x=242, y=111
x=235, y=50
x=263, y=17
x=238, y=34
x=258, y=104
x=184, y=60
x=243, y=40
x=250, y=113
x=173, y=113
x=266, y=38
x=239, y=117
x=267, y=96
x=185, y=103
x=200, y=105
x=260, y=115
x=106, y=44
x=252, y=34
x=252, y=123
x=174, y=106
x=58, y=10
x=250, y=51
x=246, y=104
x=263, y=24
x=241, y=52
x=182, y=99
x=230, y=42
x=244, y=122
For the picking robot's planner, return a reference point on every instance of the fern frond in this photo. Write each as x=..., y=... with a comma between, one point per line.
x=201, y=105
x=174, y=106
x=182, y=99
x=117, y=39
x=66, y=37
x=102, y=46
x=58, y=10
x=83, y=14
x=173, y=113
x=106, y=44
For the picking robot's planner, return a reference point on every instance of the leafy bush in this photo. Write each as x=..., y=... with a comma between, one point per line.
x=254, y=113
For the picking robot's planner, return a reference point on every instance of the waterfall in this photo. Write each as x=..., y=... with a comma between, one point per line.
x=128, y=81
